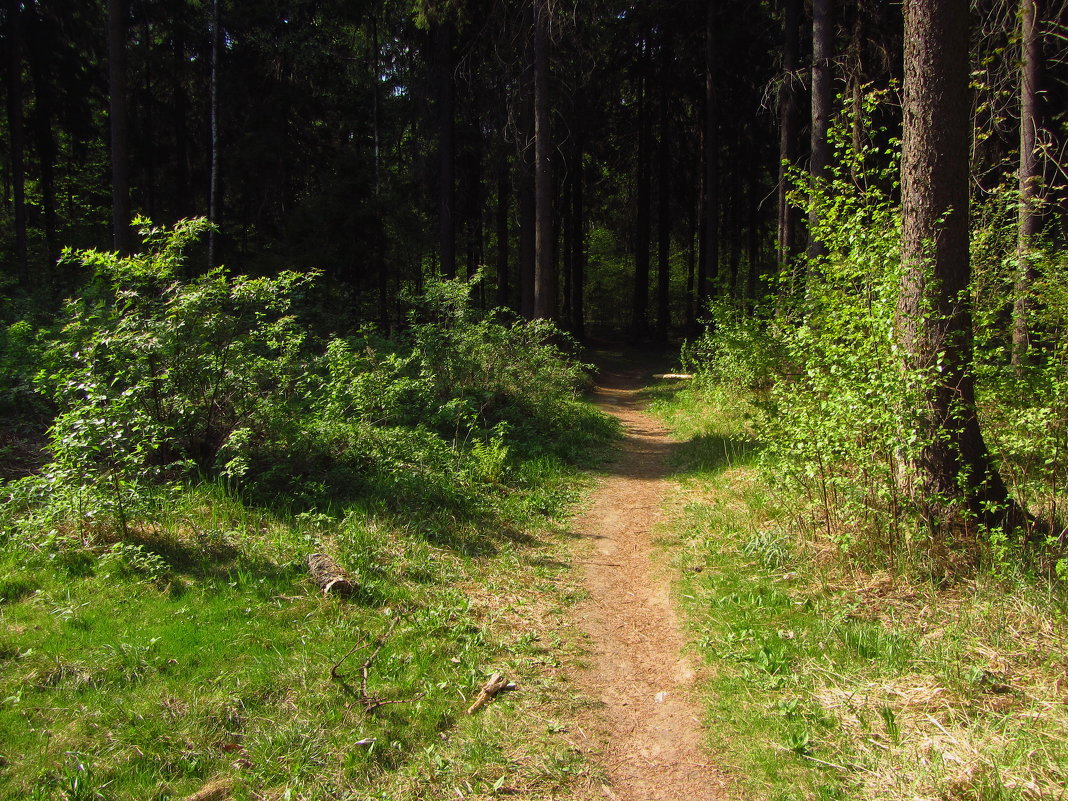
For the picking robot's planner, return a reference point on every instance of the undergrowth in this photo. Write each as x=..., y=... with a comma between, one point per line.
x=160, y=633
x=862, y=650
x=831, y=679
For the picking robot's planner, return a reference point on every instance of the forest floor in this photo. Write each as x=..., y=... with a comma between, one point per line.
x=645, y=724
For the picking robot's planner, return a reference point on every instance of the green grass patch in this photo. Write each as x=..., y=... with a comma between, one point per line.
x=197, y=650
x=832, y=681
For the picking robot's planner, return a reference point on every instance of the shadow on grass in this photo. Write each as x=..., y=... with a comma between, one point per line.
x=710, y=453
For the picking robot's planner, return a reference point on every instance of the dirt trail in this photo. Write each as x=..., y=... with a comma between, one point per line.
x=648, y=729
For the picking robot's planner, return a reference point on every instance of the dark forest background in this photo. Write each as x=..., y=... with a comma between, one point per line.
x=382, y=142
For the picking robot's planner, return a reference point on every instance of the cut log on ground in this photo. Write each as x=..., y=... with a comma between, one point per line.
x=215, y=790
x=329, y=575
x=497, y=683
x=673, y=376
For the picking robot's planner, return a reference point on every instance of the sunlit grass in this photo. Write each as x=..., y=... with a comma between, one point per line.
x=831, y=681
x=197, y=650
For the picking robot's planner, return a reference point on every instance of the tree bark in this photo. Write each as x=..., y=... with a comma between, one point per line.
x=955, y=482
x=526, y=183
x=820, y=158
x=183, y=204
x=329, y=576
x=16, y=133
x=788, y=132
x=709, y=265
x=640, y=298
x=1029, y=178
x=503, y=199
x=213, y=178
x=446, y=152
x=663, y=180
x=578, y=258
x=122, y=237
x=47, y=152
x=545, y=286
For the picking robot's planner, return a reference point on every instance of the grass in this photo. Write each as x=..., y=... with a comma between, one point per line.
x=830, y=679
x=197, y=654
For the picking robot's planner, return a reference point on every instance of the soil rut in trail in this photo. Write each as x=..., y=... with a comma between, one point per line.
x=650, y=732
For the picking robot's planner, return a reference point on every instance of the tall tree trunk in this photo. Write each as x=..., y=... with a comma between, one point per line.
x=640, y=307
x=122, y=237
x=663, y=180
x=1029, y=177
x=183, y=203
x=379, y=254
x=709, y=266
x=753, y=228
x=47, y=152
x=788, y=132
x=578, y=258
x=855, y=79
x=213, y=178
x=15, y=129
x=504, y=190
x=526, y=183
x=446, y=152
x=148, y=195
x=820, y=158
x=691, y=263
x=733, y=216
x=955, y=482
x=545, y=287
x=567, y=225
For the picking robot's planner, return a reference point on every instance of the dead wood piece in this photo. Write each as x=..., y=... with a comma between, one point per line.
x=496, y=684
x=673, y=376
x=329, y=575
x=368, y=701
x=215, y=790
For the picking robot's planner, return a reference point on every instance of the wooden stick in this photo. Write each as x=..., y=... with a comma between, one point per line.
x=496, y=683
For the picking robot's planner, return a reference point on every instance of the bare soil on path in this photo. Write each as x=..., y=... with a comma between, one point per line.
x=646, y=726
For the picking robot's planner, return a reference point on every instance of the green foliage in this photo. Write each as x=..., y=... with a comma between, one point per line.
x=737, y=348
x=842, y=423
x=1024, y=407
x=19, y=360
x=159, y=379
x=840, y=428
x=434, y=416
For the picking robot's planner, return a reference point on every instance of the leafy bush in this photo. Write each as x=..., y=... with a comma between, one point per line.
x=159, y=379
x=19, y=360
x=1024, y=408
x=738, y=348
x=840, y=428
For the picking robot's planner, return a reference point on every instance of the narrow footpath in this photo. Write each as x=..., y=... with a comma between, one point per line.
x=646, y=725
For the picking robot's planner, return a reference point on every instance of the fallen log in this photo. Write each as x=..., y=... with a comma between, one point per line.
x=329, y=575
x=675, y=376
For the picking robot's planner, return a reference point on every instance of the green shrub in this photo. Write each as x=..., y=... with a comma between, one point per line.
x=159, y=379
x=738, y=348
x=19, y=361
x=839, y=427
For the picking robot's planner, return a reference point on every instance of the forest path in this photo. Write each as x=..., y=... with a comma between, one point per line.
x=646, y=727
